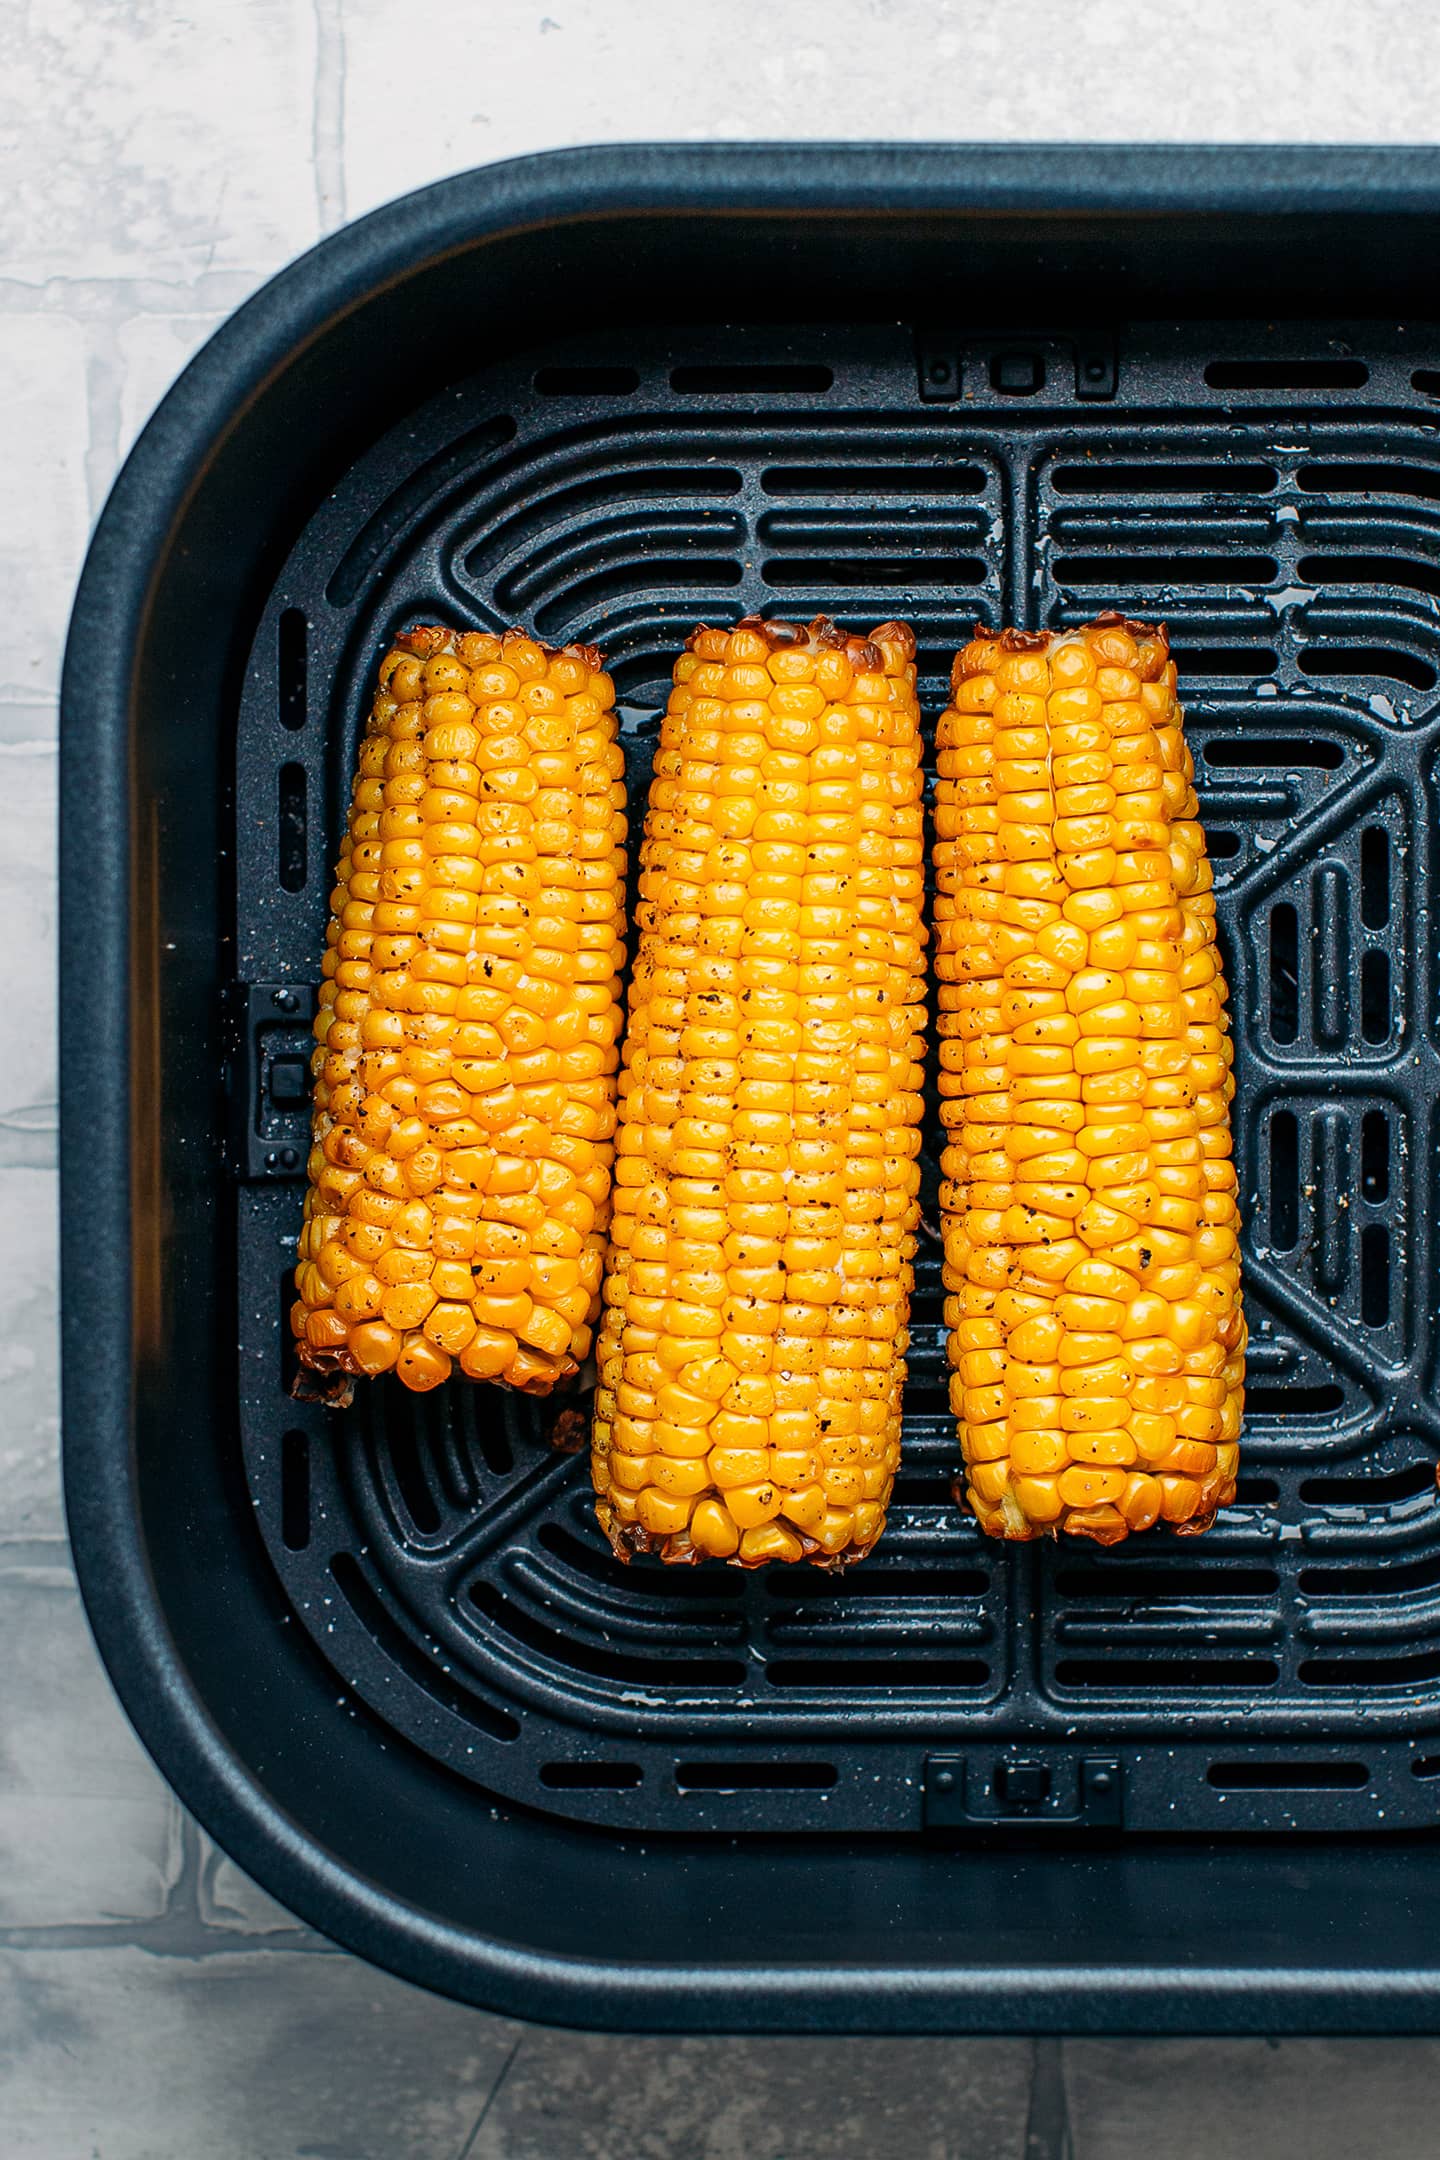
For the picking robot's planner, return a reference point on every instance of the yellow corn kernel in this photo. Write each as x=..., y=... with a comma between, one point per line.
x=769, y=1101
x=663, y=1514
x=468, y=1020
x=713, y=1530
x=1087, y=1191
x=1038, y=1453
x=421, y=1365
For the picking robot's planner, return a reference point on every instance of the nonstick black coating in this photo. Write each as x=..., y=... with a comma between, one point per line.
x=386, y=1655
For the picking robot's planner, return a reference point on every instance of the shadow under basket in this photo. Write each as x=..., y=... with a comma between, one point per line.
x=385, y=1654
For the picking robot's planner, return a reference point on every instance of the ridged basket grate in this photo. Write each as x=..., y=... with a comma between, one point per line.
x=1277, y=502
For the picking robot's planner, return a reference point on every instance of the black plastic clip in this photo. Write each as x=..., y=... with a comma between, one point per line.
x=1036, y=1790
x=1095, y=374
x=267, y=1057
x=939, y=368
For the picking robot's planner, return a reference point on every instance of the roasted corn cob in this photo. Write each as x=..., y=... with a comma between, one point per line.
x=752, y=1353
x=468, y=1023
x=1092, y=1263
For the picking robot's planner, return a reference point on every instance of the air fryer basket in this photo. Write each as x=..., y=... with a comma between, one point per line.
x=387, y=1653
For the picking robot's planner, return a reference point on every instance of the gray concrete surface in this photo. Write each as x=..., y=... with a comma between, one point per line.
x=159, y=162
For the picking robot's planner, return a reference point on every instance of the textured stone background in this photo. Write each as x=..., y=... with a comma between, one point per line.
x=158, y=162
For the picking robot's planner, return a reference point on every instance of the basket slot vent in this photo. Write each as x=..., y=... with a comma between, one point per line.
x=1284, y=973
x=292, y=827
x=1185, y=1675
x=1375, y=1157
x=1120, y=1579
x=1375, y=877
x=1375, y=1275
x=1377, y=1672
x=1370, y=479
x=952, y=1674
x=1264, y=753
x=866, y=572
x=1330, y=953
x=1284, y=1186
x=1365, y=1580
x=1368, y=660
x=292, y=661
x=295, y=1490
x=915, y=1489
x=832, y=483
x=1288, y=1776
x=927, y=1397
x=1151, y=572
x=1317, y=1401
x=411, y=1482
x=1131, y=480
x=1375, y=1019
x=482, y=1416
x=816, y=1586
x=1380, y=1488
x=1350, y=570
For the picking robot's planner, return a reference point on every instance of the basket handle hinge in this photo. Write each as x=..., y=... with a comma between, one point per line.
x=268, y=1041
x=1037, y=1790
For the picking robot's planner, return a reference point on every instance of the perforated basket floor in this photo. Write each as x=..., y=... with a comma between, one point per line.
x=1276, y=499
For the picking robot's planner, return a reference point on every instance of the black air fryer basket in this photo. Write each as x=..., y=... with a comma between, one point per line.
x=386, y=1655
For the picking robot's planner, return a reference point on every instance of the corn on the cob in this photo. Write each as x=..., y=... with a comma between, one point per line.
x=752, y=1352
x=468, y=1023
x=1092, y=1264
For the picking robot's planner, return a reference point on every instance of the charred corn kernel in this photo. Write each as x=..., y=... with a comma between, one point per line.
x=766, y=1200
x=1087, y=1185
x=466, y=1071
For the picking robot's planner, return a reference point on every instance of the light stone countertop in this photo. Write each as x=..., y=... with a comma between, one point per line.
x=160, y=162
